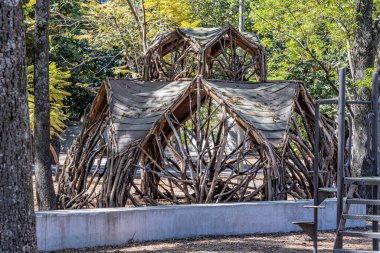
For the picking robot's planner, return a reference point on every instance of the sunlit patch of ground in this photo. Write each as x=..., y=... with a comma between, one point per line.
x=287, y=243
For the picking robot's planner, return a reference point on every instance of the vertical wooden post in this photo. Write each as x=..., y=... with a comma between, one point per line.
x=375, y=147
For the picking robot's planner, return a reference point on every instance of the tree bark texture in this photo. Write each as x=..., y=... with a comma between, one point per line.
x=364, y=52
x=17, y=222
x=241, y=15
x=44, y=184
x=365, y=40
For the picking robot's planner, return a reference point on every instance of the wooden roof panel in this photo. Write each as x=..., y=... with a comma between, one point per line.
x=201, y=35
x=267, y=107
x=136, y=106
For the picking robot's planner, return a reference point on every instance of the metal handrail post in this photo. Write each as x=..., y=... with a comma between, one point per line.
x=315, y=176
x=341, y=146
x=375, y=130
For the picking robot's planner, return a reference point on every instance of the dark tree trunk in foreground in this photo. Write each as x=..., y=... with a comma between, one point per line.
x=17, y=224
x=363, y=54
x=44, y=183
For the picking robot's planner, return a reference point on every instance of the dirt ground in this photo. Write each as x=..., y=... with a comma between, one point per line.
x=259, y=243
x=284, y=243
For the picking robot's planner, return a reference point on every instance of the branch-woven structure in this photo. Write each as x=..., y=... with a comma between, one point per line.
x=171, y=138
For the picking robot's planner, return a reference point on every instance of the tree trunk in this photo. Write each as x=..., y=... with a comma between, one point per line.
x=364, y=46
x=44, y=184
x=141, y=23
x=363, y=54
x=241, y=15
x=17, y=224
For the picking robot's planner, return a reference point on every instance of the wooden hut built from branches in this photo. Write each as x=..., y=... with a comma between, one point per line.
x=215, y=53
x=171, y=137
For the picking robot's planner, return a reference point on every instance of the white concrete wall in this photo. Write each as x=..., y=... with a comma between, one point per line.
x=112, y=226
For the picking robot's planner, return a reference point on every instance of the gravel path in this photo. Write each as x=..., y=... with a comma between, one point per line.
x=284, y=243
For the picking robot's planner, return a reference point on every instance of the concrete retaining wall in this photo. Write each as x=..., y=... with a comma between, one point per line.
x=112, y=226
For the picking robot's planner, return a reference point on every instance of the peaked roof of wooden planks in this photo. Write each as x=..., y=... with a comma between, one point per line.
x=203, y=38
x=136, y=107
x=207, y=44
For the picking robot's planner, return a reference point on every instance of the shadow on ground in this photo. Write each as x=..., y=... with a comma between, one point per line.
x=284, y=243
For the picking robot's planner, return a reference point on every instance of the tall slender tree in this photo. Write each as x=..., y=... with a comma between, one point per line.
x=44, y=184
x=241, y=15
x=141, y=22
x=17, y=224
x=364, y=50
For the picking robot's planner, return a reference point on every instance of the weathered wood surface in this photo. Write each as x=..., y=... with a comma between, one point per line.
x=187, y=52
x=155, y=138
x=261, y=105
x=137, y=106
x=266, y=107
x=169, y=141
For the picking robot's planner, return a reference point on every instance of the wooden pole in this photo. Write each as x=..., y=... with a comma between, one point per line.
x=241, y=15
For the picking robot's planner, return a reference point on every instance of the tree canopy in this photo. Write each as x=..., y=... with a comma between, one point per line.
x=305, y=40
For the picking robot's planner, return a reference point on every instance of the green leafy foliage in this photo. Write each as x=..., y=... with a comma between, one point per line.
x=213, y=13
x=306, y=40
x=94, y=40
x=112, y=31
x=367, y=81
x=58, y=93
